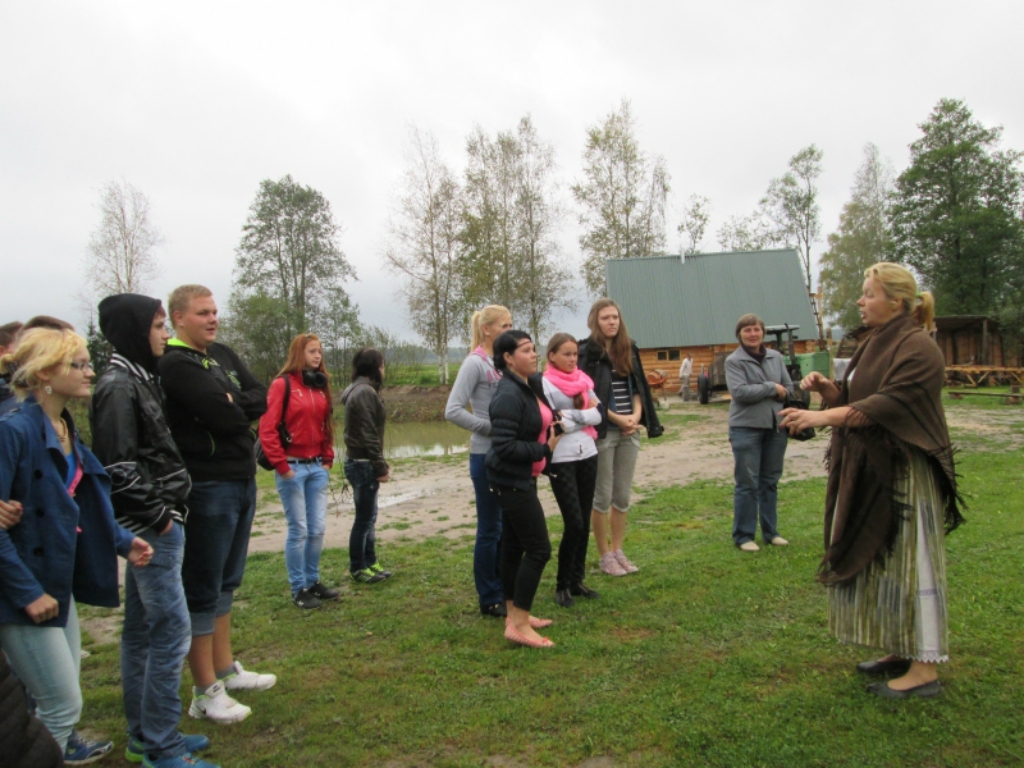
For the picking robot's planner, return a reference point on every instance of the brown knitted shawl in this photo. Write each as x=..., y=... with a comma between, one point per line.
x=898, y=385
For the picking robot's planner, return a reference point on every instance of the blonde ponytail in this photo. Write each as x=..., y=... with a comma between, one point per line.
x=486, y=316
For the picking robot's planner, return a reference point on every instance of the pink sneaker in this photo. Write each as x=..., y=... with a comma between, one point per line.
x=623, y=562
x=610, y=565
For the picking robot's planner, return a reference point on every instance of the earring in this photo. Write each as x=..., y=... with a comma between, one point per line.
x=48, y=389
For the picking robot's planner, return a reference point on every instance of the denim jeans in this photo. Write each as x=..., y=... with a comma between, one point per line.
x=361, y=551
x=759, y=454
x=305, y=508
x=216, y=544
x=48, y=661
x=486, y=572
x=155, y=639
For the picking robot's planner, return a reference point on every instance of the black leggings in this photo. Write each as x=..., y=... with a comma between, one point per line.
x=525, y=546
x=573, y=483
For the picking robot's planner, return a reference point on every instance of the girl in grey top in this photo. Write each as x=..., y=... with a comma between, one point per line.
x=467, y=407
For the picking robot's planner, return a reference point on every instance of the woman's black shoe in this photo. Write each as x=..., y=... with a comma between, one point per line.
x=322, y=592
x=306, y=599
x=564, y=599
x=498, y=610
x=882, y=667
x=582, y=590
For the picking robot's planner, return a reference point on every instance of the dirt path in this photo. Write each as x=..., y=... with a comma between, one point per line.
x=431, y=498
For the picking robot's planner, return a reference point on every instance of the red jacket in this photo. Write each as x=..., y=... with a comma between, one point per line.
x=306, y=420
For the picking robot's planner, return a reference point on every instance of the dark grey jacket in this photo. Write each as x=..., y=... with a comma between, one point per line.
x=364, y=424
x=752, y=386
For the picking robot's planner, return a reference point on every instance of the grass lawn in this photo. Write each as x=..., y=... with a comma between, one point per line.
x=706, y=657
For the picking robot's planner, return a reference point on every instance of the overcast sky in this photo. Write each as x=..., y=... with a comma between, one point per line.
x=196, y=102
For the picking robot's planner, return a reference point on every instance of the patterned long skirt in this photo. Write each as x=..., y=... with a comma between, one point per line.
x=899, y=605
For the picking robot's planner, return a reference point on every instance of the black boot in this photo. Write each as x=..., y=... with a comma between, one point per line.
x=564, y=599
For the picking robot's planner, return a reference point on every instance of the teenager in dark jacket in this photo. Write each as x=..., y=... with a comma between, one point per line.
x=64, y=549
x=365, y=467
x=302, y=463
x=523, y=436
x=612, y=361
x=212, y=400
x=150, y=488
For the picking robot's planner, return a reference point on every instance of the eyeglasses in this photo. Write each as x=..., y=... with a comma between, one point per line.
x=82, y=366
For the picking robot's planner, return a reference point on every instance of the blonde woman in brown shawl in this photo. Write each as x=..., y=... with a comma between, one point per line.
x=891, y=488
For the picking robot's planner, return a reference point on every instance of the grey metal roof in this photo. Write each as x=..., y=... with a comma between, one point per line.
x=667, y=301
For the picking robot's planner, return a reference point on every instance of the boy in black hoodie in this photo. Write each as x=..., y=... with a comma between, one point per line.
x=212, y=400
x=150, y=487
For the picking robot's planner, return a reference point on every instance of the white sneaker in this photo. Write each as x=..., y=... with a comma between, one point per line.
x=240, y=680
x=749, y=546
x=217, y=706
x=778, y=541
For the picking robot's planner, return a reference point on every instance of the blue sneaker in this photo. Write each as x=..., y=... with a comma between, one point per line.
x=82, y=752
x=182, y=761
x=134, y=752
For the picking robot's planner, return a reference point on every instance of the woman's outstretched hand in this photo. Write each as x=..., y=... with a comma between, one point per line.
x=815, y=381
x=796, y=420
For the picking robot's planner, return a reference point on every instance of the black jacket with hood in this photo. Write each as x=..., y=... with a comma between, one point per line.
x=364, y=424
x=214, y=434
x=130, y=435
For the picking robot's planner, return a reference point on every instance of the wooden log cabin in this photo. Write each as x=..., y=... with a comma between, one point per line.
x=975, y=340
x=676, y=305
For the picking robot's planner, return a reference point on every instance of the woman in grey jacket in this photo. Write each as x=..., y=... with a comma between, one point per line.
x=467, y=407
x=758, y=382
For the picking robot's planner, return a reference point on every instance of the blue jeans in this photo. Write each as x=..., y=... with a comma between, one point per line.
x=486, y=572
x=154, y=641
x=216, y=545
x=759, y=454
x=305, y=508
x=48, y=661
x=361, y=550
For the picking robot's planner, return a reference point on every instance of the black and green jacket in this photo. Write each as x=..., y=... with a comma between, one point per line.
x=213, y=433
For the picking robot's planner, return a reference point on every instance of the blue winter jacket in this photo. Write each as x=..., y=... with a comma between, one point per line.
x=63, y=546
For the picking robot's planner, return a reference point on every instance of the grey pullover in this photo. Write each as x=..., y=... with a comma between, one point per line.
x=474, y=387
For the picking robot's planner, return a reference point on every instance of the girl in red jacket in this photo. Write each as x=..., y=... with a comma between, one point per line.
x=302, y=453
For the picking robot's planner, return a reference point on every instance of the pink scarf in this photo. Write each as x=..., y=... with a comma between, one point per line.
x=570, y=385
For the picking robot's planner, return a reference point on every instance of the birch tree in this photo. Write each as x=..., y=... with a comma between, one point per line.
x=121, y=256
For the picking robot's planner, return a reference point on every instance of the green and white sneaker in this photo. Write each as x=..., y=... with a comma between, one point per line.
x=367, y=576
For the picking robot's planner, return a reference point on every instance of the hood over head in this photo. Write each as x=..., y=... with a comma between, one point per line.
x=126, y=320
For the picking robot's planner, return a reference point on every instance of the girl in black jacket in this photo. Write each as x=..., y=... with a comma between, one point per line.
x=523, y=433
x=611, y=360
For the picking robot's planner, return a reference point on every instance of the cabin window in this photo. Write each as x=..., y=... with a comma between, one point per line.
x=662, y=354
x=673, y=354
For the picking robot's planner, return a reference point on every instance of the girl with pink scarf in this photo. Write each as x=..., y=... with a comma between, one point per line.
x=573, y=471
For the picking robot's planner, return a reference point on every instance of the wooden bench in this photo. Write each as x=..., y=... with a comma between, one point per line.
x=1013, y=397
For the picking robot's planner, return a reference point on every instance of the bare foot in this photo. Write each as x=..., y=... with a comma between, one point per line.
x=918, y=674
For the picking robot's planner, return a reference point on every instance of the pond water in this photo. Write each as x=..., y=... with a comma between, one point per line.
x=424, y=438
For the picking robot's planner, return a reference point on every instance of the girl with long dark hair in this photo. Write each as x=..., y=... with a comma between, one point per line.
x=302, y=459
x=523, y=435
x=365, y=467
x=612, y=360
x=467, y=407
x=573, y=472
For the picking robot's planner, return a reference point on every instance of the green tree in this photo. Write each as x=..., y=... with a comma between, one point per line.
x=862, y=239
x=696, y=216
x=791, y=205
x=511, y=223
x=259, y=327
x=424, y=245
x=98, y=346
x=289, y=250
x=956, y=212
x=622, y=197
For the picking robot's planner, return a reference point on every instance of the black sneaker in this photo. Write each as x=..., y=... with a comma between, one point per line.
x=318, y=590
x=582, y=590
x=498, y=610
x=306, y=599
x=367, y=576
x=564, y=599
x=378, y=568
